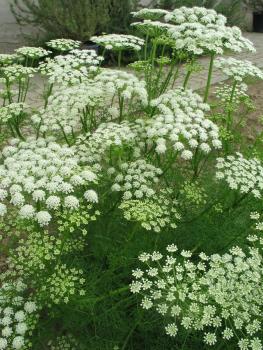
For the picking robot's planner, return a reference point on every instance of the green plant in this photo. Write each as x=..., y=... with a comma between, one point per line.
x=231, y=9
x=75, y=19
x=113, y=164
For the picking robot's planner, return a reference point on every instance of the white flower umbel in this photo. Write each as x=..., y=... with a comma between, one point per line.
x=152, y=14
x=218, y=297
x=32, y=52
x=224, y=92
x=17, y=316
x=71, y=108
x=181, y=122
x=93, y=148
x=13, y=111
x=8, y=59
x=87, y=57
x=17, y=73
x=152, y=28
x=40, y=176
x=155, y=213
x=118, y=42
x=63, y=45
x=197, y=38
x=64, y=342
x=135, y=179
x=125, y=85
x=238, y=70
x=72, y=68
x=195, y=15
x=241, y=174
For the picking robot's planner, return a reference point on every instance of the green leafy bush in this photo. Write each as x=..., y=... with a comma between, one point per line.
x=75, y=19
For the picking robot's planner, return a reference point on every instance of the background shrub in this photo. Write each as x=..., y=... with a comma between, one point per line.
x=75, y=19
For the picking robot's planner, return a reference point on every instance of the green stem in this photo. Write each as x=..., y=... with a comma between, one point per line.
x=209, y=78
x=187, y=77
x=119, y=58
x=229, y=114
x=146, y=46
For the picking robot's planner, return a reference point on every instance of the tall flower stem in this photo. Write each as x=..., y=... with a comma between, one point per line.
x=229, y=114
x=209, y=78
x=187, y=77
x=119, y=58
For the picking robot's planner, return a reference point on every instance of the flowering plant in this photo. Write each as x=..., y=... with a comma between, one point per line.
x=105, y=164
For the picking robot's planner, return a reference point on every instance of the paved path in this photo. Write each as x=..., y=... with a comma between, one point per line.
x=198, y=80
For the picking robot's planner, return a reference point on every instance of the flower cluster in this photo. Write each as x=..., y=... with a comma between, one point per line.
x=74, y=107
x=182, y=122
x=125, y=85
x=243, y=175
x=16, y=316
x=151, y=14
x=195, y=15
x=8, y=59
x=63, y=45
x=193, y=193
x=135, y=179
x=71, y=68
x=224, y=92
x=16, y=73
x=238, y=69
x=197, y=39
x=118, y=42
x=220, y=296
x=152, y=28
x=39, y=176
x=37, y=253
x=32, y=52
x=256, y=237
x=64, y=342
x=62, y=285
x=93, y=148
x=11, y=111
x=155, y=213
x=86, y=57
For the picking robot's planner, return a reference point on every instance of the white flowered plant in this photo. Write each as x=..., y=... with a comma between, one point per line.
x=197, y=38
x=195, y=15
x=181, y=121
x=135, y=179
x=238, y=70
x=8, y=59
x=71, y=68
x=32, y=52
x=151, y=14
x=76, y=107
x=40, y=176
x=155, y=213
x=241, y=174
x=127, y=88
x=223, y=92
x=16, y=73
x=219, y=297
x=12, y=115
x=63, y=45
x=152, y=28
x=97, y=146
x=110, y=154
x=117, y=42
x=17, y=316
x=64, y=342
